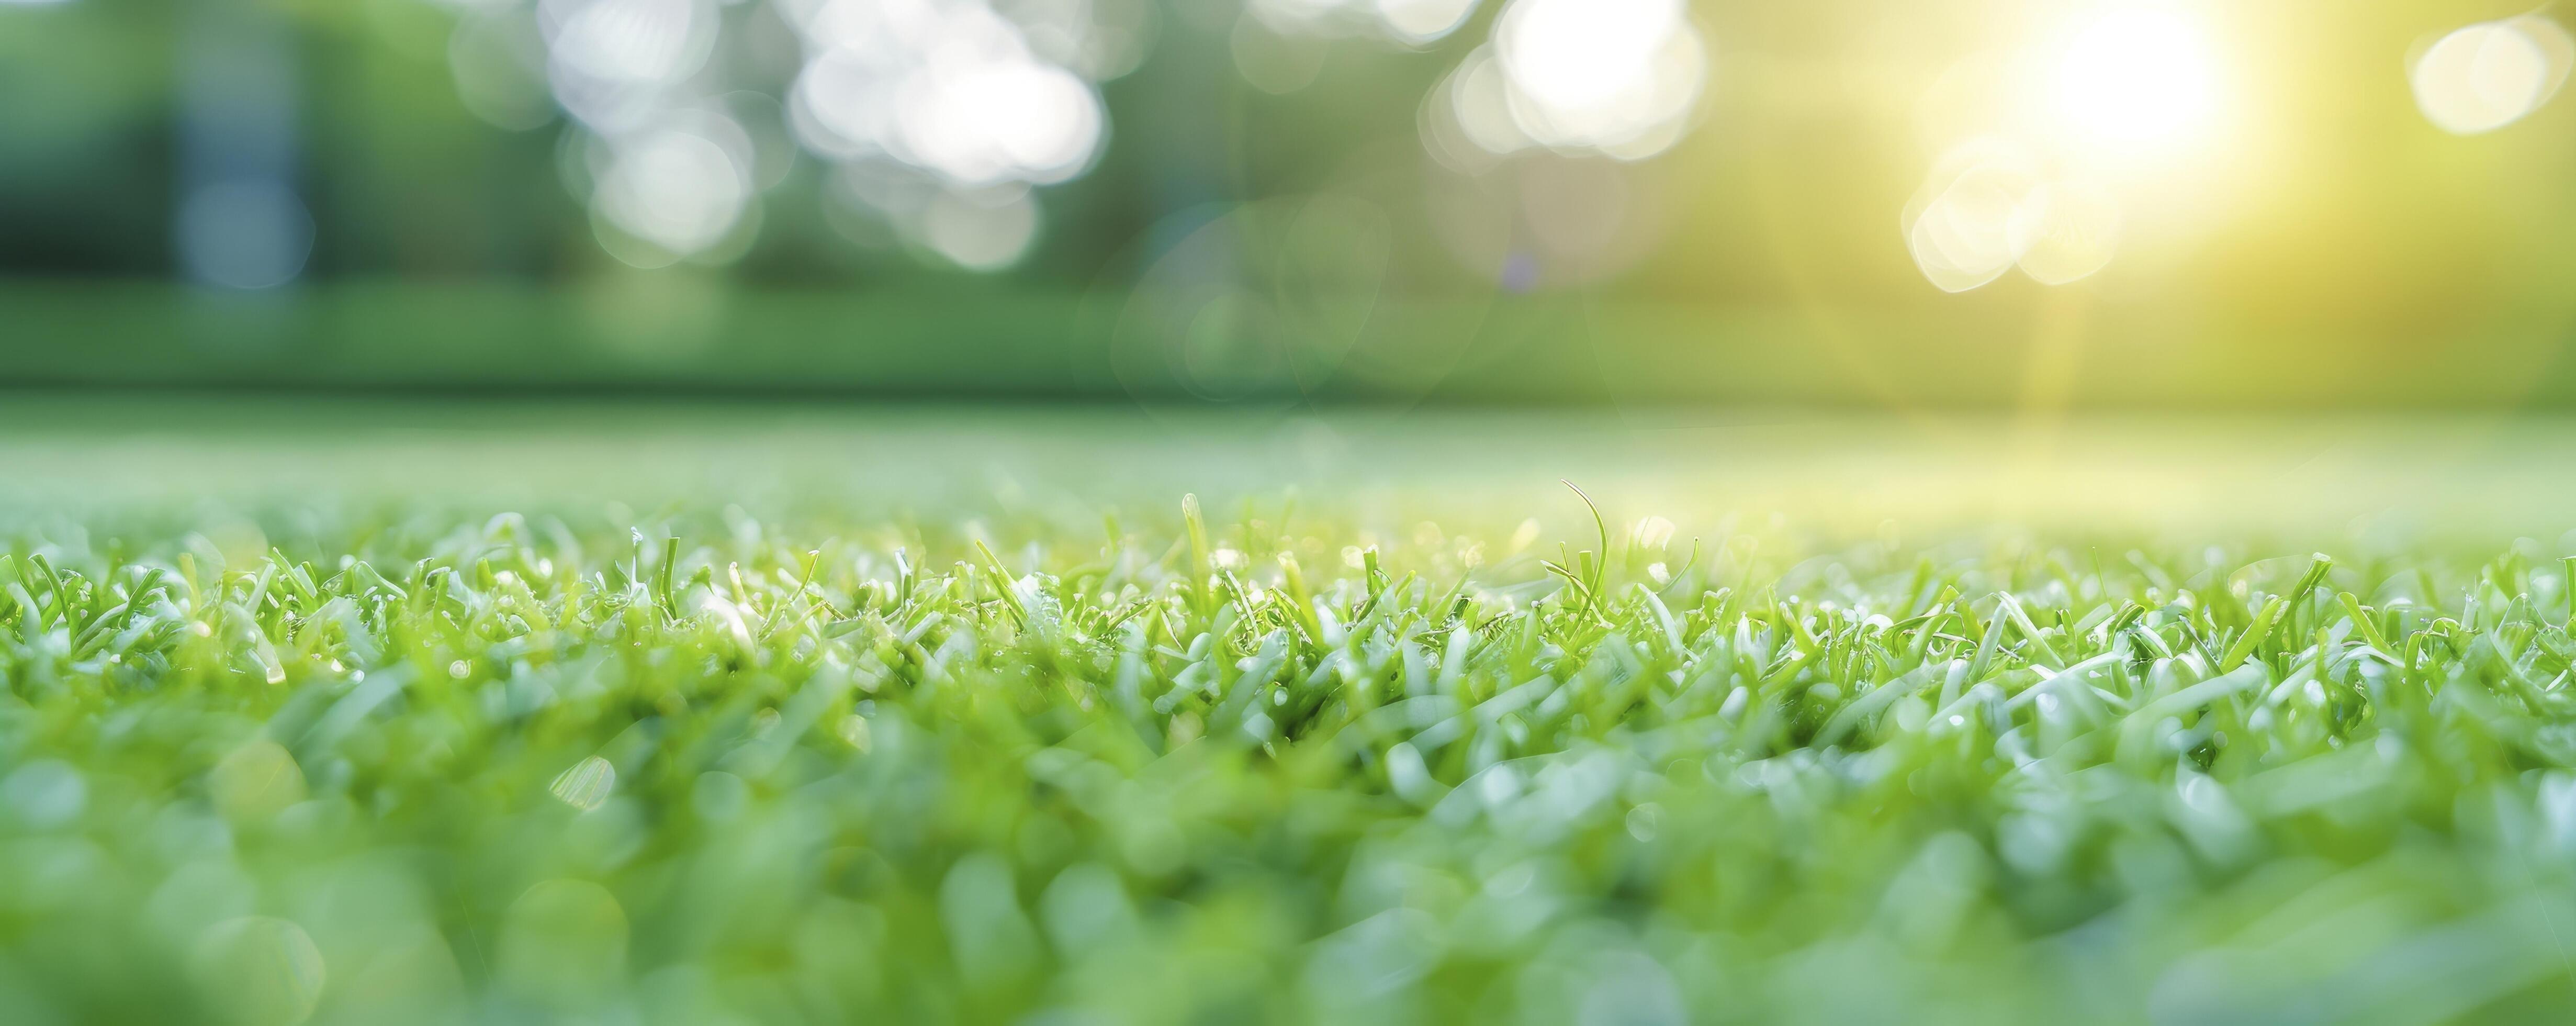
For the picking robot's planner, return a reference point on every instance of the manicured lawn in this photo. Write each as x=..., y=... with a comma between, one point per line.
x=1062, y=746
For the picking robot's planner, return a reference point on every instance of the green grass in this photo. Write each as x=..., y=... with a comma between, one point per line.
x=991, y=338
x=1287, y=764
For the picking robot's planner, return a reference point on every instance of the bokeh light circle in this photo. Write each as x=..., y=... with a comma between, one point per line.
x=2485, y=76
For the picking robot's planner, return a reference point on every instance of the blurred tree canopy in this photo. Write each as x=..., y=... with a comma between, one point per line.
x=1265, y=214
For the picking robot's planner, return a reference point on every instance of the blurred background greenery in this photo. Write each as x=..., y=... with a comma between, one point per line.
x=1265, y=203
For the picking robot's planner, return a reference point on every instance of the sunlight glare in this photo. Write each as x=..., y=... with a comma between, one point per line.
x=1412, y=23
x=2068, y=230
x=1616, y=77
x=981, y=232
x=635, y=41
x=672, y=188
x=965, y=99
x=1969, y=233
x=1423, y=21
x=2138, y=78
x=2485, y=76
x=1987, y=208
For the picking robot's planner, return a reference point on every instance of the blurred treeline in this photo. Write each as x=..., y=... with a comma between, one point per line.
x=1240, y=245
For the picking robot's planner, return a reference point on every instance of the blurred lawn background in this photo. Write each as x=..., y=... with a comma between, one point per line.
x=2368, y=483
x=1267, y=204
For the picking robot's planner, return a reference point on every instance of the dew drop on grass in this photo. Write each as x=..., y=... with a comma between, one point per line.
x=586, y=784
x=1643, y=822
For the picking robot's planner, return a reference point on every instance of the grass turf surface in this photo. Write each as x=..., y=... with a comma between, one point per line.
x=1280, y=767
